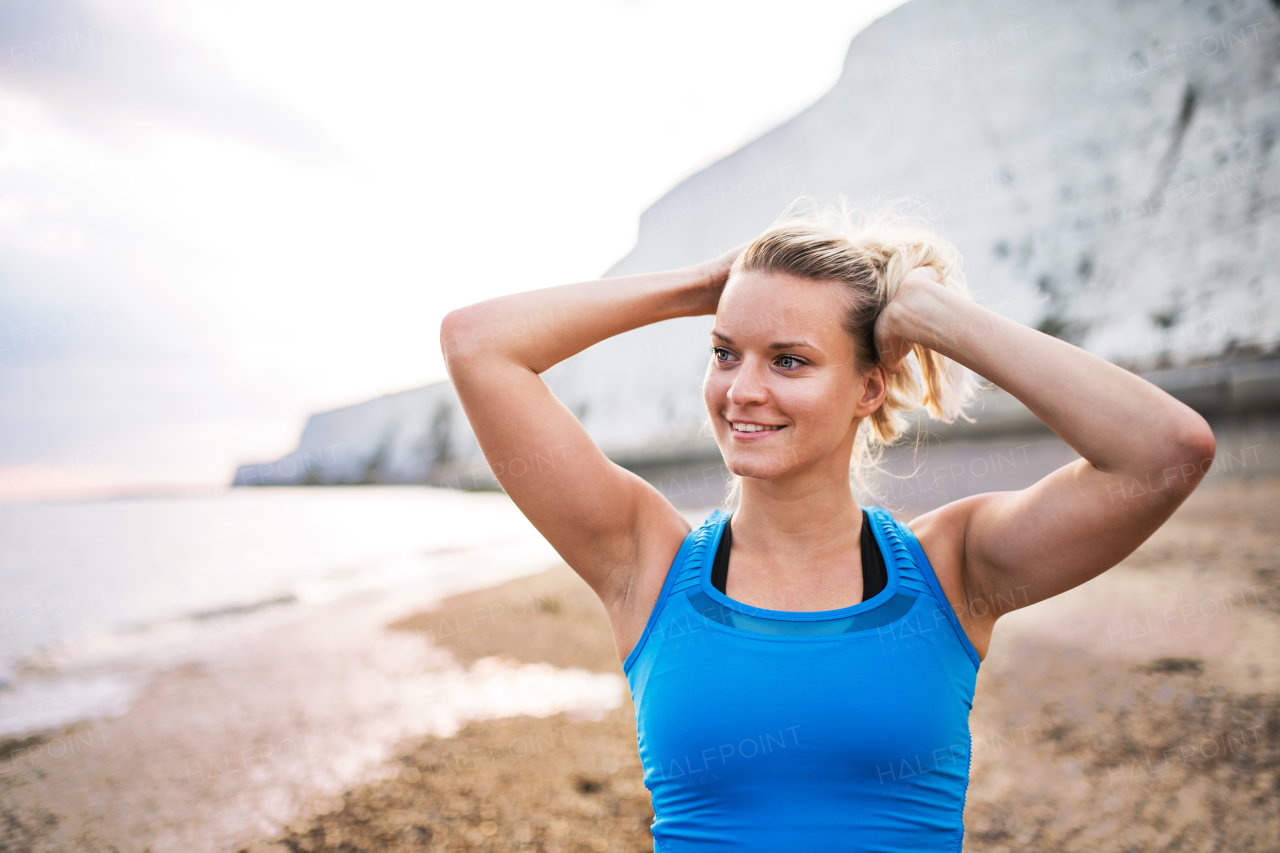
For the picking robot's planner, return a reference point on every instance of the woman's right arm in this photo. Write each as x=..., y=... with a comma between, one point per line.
x=614, y=529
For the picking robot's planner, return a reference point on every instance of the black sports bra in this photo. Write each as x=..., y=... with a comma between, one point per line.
x=874, y=574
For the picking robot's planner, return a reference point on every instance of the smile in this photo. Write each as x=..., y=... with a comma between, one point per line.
x=746, y=427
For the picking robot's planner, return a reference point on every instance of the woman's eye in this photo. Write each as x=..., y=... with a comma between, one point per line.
x=720, y=353
x=789, y=362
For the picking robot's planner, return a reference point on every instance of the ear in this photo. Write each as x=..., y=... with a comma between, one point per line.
x=874, y=389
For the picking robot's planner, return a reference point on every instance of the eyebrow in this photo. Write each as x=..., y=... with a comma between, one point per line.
x=786, y=345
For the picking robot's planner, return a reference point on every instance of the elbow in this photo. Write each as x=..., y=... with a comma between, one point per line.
x=1196, y=444
x=459, y=336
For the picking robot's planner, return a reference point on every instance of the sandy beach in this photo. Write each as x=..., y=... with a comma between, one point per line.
x=1138, y=712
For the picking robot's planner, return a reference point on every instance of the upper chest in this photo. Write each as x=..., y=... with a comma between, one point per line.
x=808, y=588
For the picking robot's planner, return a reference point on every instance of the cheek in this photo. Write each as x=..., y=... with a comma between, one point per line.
x=807, y=408
x=820, y=406
x=714, y=388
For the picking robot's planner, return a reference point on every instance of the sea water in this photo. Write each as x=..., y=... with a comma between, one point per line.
x=97, y=595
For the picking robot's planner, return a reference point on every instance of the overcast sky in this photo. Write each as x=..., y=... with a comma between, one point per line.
x=219, y=216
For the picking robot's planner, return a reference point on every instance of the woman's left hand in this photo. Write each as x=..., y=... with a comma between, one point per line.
x=891, y=339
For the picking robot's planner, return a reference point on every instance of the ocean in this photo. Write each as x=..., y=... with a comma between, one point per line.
x=98, y=596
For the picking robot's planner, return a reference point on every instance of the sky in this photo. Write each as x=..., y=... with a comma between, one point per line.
x=217, y=218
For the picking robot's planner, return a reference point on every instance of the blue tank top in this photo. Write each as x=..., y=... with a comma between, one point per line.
x=773, y=730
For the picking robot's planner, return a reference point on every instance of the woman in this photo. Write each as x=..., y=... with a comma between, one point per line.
x=802, y=676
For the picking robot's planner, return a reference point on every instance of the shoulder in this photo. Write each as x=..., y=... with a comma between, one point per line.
x=941, y=534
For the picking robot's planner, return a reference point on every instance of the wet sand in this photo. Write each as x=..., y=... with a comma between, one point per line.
x=554, y=784
x=271, y=716
x=1138, y=712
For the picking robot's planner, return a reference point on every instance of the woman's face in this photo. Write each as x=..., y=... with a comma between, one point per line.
x=782, y=388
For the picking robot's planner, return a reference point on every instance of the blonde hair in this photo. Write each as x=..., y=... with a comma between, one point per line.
x=869, y=253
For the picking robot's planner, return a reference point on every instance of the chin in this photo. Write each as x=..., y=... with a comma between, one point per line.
x=757, y=466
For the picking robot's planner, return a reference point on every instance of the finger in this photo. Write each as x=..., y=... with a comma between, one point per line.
x=895, y=350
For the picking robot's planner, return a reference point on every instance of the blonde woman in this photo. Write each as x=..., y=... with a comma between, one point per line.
x=802, y=670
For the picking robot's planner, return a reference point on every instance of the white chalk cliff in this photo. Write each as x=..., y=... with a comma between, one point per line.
x=1107, y=169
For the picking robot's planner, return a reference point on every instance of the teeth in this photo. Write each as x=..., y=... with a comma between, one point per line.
x=752, y=427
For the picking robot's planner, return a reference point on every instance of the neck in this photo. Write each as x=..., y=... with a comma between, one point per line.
x=801, y=514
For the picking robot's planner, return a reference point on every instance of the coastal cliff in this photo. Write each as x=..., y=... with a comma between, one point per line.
x=1106, y=169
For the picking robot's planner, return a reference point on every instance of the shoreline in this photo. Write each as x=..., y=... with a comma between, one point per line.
x=273, y=720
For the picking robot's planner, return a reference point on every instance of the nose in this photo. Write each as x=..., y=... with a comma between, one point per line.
x=749, y=384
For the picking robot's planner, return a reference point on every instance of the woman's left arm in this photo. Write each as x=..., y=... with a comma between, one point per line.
x=1142, y=451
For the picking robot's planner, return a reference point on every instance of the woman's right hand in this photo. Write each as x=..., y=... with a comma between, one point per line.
x=894, y=340
x=715, y=273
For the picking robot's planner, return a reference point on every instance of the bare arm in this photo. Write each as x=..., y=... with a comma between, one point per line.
x=614, y=529
x=1142, y=453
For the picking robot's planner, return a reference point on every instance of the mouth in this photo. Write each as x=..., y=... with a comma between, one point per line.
x=751, y=429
